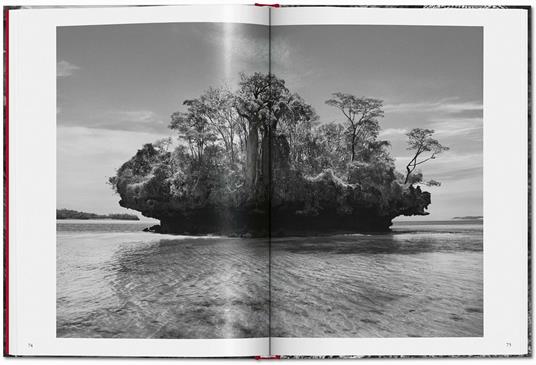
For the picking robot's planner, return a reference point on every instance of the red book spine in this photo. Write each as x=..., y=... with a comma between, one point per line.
x=6, y=184
x=275, y=357
x=271, y=5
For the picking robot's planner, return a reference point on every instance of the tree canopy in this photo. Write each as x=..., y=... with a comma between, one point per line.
x=263, y=144
x=361, y=116
x=426, y=148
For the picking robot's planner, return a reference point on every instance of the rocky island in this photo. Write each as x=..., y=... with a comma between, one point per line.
x=257, y=161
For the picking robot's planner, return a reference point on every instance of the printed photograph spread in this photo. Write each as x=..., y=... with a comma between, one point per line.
x=207, y=181
x=333, y=189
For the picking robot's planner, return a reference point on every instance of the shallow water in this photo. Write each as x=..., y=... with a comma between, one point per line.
x=144, y=285
x=421, y=280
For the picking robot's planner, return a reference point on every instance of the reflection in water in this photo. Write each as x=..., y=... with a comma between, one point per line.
x=421, y=281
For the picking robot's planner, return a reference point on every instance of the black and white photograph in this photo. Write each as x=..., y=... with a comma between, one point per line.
x=151, y=142
x=384, y=184
x=231, y=180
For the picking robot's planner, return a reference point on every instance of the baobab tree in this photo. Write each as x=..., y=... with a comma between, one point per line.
x=252, y=103
x=266, y=104
x=362, y=116
x=426, y=148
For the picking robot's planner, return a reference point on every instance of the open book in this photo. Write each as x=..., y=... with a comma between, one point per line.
x=209, y=181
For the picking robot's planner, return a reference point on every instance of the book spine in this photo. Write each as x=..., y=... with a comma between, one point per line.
x=270, y=5
x=6, y=181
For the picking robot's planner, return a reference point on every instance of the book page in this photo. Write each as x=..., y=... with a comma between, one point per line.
x=393, y=232
x=129, y=235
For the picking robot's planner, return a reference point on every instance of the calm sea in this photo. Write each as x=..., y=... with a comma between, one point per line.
x=423, y=279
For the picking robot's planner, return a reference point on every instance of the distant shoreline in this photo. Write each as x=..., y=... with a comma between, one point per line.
x=62, y=214
x=103, y=221
x=112, y=220
x=442, y=221
x=104, y=218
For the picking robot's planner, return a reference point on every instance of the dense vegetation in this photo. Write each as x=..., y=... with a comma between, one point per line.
x=257, y=159
x=73, y=214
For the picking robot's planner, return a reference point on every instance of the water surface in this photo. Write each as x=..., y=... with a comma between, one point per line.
x=423, y=279
x=115, y=281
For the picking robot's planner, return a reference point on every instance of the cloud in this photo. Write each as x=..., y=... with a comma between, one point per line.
x=291, y=63
x=448, y=117
x=131, y=120
x=241, y=48
x=65, y=69
x=449, y=127
x=393, y=132
x=137, y=116
x=81, y=141
x=450, y=105
x=461, y=177
x=141, y=120
x=86, y=158
x=448, y=166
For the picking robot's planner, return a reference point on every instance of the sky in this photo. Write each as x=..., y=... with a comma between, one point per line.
x=118, y=85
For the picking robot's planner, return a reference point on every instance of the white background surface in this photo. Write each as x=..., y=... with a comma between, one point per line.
x=500, y=277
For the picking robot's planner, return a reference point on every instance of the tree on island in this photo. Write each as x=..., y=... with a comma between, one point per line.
x=259, y=154
x=266, y=104
x=426, y=148
x=208, y=118
x=362, y=116
x=242, y=125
